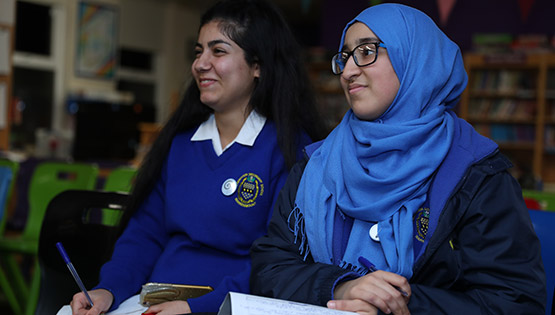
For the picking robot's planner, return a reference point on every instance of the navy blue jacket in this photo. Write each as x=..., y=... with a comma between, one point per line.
x=481, y=254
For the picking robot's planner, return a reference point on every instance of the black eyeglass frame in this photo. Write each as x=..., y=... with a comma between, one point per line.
x=336, y=66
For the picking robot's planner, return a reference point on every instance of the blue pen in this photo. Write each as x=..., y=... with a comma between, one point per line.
x=371, y=267
x=73, y=271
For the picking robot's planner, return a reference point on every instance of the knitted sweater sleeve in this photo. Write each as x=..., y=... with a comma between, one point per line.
x=137, y=250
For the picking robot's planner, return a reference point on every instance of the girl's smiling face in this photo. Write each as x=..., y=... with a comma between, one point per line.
x=224, y=78
x=370, y=89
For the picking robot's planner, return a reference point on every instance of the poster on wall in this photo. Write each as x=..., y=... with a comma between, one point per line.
x=97, y=41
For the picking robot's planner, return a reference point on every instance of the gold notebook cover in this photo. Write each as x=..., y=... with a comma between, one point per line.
x=155, y=293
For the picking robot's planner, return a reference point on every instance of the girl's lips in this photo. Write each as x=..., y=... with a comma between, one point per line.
x=355, y=88
x=206, y=82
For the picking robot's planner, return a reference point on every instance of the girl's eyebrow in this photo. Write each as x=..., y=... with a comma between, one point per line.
x=213, y=43
x=367, y=40
x=362, y=40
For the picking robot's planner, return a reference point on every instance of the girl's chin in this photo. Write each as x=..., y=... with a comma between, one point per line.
x=208, y=101
x=365, y=115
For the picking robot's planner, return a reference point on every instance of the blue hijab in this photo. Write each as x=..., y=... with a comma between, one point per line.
x=380, y=171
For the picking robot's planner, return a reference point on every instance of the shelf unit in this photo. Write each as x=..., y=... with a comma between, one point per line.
x=511, y=99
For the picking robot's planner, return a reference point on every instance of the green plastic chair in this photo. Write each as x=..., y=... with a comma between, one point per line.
x=120, y=179
x=545, y=199
x=48, y=180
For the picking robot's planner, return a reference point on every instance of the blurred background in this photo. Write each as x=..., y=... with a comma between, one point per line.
x=91, y=82
x=84, y=80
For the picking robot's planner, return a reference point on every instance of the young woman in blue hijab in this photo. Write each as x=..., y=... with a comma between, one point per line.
x=404, y=207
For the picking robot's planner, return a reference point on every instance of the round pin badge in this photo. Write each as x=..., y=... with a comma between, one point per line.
x=374, y=233
x=229, y=187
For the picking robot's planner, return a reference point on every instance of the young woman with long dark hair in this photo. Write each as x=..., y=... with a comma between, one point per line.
x=206, y=188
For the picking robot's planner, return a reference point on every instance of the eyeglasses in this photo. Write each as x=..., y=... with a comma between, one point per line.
x=363, y=55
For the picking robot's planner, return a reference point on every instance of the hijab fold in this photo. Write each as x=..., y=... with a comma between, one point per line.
x=379, y=172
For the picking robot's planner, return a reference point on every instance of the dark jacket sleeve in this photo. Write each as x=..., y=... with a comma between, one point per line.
x=490, y=263
x=278, y=269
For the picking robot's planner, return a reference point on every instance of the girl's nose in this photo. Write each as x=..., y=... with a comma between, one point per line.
x=202, y=62
x=351, y=69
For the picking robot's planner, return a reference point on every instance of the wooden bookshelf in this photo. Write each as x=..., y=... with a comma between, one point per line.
x=511, y=99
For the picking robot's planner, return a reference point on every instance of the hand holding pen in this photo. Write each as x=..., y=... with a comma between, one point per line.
x=372, y=268
x=103, y=298
x=102, y=301
x=376, y=290
x=73, y=271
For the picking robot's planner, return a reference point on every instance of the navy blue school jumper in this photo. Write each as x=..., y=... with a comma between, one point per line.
x=188, y=232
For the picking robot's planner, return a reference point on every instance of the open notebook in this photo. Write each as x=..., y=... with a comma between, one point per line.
x=130, y=306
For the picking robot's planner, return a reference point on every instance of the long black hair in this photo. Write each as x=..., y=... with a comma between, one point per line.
x=282, y=93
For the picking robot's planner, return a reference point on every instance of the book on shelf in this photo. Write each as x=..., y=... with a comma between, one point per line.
x=550, y=116
x=505, y=133
x=508, y=80
x=479, y=108
x=549, y=140
x=525, y=110
x=520, y=83
x=507, y=109
x=525, y=133
x=550, y=93
x=502, y=133
x=531, y=43
x=492, y=43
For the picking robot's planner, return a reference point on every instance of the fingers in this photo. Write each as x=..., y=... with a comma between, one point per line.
x=102, y=299
x=384, y=297
x=399, y=282
x=94, y=311
x=79, y=304
x=168, y=308
x=154, y=309
x=359, y=306
x=393, y=293
x=381, y=289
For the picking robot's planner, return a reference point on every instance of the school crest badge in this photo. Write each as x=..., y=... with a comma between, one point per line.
x=250, y=187
x=422, y=220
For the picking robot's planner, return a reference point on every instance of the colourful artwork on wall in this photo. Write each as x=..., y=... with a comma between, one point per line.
x=97, y=41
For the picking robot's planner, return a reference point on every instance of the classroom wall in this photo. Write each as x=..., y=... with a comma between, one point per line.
x=163, y=27
x=168, y=27
x=159, y=26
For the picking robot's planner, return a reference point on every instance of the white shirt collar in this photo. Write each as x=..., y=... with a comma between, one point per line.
x=246, y=136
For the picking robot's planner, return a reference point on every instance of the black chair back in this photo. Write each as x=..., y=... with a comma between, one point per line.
x=73, y=218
